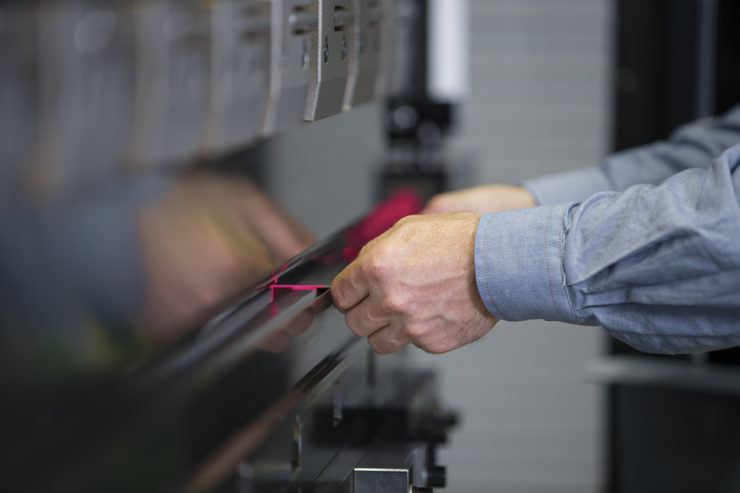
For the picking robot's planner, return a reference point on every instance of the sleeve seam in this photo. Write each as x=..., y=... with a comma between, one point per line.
x=548, y=263
x=561, y=262
x=484, y=262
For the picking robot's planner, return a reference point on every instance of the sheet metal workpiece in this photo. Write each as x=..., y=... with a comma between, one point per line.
x=226, y=393
x=332, y=45
x=240, y=73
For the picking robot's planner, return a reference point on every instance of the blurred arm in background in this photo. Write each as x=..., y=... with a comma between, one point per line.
x=692, y=146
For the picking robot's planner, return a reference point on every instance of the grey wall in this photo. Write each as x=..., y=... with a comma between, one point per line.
x=324, y=172
x=538, y=104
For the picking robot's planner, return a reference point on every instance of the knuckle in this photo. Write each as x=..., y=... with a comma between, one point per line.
x=353, y=323
x=337, y=295
x=379, y=348
x=436, y=348
x=393, y=303
x=407, y=222
x=416, y=331
x=404, y=220
x=364, y=250
x=380, y=345
x=376, y=265
x=338, y=286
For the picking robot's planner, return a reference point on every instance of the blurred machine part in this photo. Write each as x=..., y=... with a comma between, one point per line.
x=173, y=75
x=364, y=64
x=18, y=100
x=292, y=25
x=93, y=90
x=447, y=70
x=85, y=90
x=240, y=73
x=421, y=115
x=164, y=325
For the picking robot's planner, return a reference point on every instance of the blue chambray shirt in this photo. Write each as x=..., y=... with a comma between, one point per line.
x=647, y=245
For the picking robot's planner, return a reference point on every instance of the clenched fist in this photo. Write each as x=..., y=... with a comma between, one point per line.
x=416, y=284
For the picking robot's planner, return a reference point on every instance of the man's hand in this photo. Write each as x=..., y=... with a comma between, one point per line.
x=485, y=199
x=416, y=284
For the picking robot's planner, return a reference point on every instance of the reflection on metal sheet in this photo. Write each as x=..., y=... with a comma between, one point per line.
x=151, y=296
x=139, y=262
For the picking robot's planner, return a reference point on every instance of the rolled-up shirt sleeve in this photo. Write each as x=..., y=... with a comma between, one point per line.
x=694, y=145
x=657, y=266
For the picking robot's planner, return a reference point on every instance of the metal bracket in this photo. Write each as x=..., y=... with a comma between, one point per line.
x=332, y=46
x=293, y=22
x=381, y=480
x=364, y=64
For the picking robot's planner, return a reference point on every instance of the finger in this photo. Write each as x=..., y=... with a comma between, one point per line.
x=434, y=206
x=366, y=318
x=349, y=288
x=388, y=340
x=444, y=202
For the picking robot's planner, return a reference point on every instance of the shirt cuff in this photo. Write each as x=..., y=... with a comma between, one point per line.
x=571, y=186
x=519, y=265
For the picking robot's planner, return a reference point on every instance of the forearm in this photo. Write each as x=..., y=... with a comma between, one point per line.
x=658, y=267
x=691, y=146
